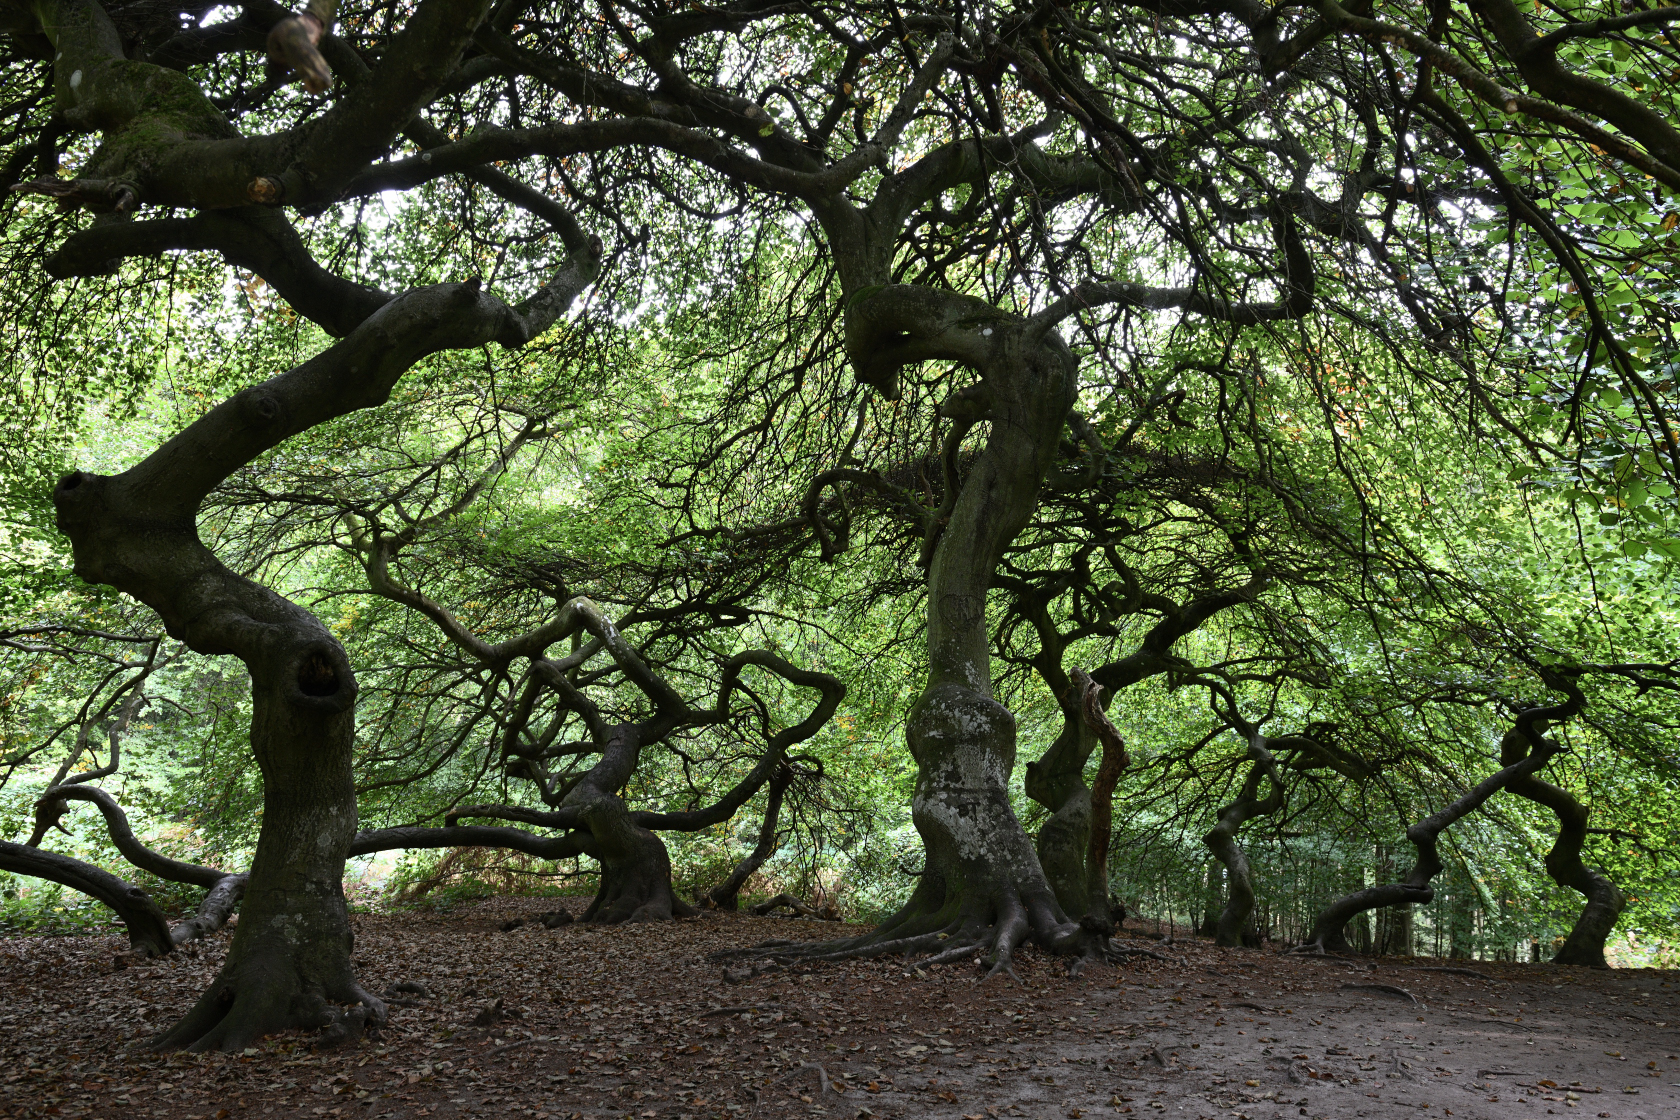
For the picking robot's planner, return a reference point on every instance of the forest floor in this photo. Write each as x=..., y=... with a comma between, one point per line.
x=636, y=1021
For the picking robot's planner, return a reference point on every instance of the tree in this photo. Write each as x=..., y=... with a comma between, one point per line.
x=973, y=183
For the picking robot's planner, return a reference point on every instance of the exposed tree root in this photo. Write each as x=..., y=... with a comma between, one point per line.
x=1386, y=989
x=797, y=905
x=991, y=944
x=1464, y=972
x=254, y=1000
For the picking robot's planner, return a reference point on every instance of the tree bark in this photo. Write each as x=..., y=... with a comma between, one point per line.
x=983, y=887
x=148, y=929
x=289, y=965
x=1213, y=898
x=1113, y=761
x=1221, y=841
x=1057, y=781
x=1605, y=901
x=635, y=883
x=635, y=864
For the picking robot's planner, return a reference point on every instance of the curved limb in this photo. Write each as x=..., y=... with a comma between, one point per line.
x=369, y=841
x=727, y=895
x=148, y=929
x=254, y=237
x=1056, y=780
x=1114, y=760
x=225, y=890
x=1327, y=935
x=1605, y=901
x=214, y=912
x=127, y=699
x=635, y=880
x=1221, y=839
x=51, y=808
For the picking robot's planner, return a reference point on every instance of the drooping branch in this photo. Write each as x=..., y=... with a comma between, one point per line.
x=201, y=602
x=50, y=809
x=1537, y=63
x=260, y=239
x=775, y=751
x=224, y=888
x=1297, y=283
x=148, y=929
x=1327, y=934
x=727, y=894
x=127, y=700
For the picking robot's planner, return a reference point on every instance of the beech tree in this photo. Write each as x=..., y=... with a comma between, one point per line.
x=1035, y=227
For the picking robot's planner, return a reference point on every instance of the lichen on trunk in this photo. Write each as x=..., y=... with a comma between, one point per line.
x=290, y=962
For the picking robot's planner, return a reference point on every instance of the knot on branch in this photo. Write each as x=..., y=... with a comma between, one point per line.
x=49, y=814
x=321, y=678
x=266, y=190
x=293, y=45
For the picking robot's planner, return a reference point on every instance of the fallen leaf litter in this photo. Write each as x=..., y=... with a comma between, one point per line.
x=585, y=1023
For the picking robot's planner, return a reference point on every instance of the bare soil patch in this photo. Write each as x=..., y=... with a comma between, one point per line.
x=636, y=1021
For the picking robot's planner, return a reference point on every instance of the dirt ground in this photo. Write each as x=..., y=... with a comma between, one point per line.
x=636, y=1022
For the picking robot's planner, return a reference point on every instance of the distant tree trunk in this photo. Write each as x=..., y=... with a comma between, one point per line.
x=727, y=895
x=1605, y=901
x=1401, y=931
x=1327, y=934
x=1361, y=927
x=1221, y=839
x=1213, y=897
x=1460, y=920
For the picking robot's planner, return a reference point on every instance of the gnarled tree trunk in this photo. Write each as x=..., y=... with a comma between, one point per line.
x=727, y=894
x=290, y=961
x=1222, y=841
x=1327, y=934
x=1057, y=781
x=983, y=889
x=289, y=964
x=1605, y=901
x=635, y=880
x=635, y=864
